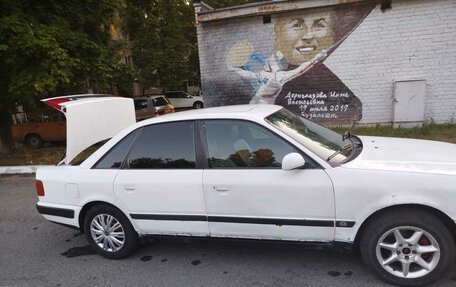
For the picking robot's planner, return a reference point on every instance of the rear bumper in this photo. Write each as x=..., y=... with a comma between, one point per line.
x=56, y=211
x=63, y=214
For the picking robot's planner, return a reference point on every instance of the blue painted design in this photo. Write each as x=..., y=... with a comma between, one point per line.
x=258, y=58
x=255, y=57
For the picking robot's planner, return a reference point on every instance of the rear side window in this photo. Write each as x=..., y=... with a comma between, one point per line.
x=164, y=146
x=160, y=101
x=114, y=158
x=172, y=95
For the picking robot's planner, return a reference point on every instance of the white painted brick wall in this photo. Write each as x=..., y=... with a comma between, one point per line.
x=416, y=39
x=413, y=40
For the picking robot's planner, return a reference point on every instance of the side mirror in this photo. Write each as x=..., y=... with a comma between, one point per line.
x=293, y=161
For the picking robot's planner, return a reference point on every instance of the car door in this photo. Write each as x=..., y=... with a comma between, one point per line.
x=247, y=193
x=178, y=99
x=160, y=184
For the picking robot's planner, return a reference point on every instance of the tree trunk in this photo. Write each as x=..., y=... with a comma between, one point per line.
x=6, y=140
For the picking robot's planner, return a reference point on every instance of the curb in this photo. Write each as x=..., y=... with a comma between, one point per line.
x=20, y=169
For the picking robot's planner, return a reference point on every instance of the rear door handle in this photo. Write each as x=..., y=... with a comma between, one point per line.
x=221, y=188
x=129, y=187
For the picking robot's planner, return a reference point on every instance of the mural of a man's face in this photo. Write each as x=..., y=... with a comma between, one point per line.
x=301, y=36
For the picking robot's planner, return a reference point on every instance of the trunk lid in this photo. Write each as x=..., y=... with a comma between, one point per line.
x=92, y=118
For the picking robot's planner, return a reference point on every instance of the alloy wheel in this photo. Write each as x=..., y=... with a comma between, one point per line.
x=408, y=252
x=107, y=232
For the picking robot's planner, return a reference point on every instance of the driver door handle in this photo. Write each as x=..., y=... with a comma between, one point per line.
x=221, y=188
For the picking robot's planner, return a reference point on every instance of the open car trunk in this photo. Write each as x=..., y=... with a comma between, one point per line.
x=92, y=118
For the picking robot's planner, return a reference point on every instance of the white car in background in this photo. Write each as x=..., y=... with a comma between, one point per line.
x=182, y=100
x=261, y=172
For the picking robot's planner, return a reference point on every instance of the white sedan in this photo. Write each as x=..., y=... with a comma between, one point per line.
x=258, y=172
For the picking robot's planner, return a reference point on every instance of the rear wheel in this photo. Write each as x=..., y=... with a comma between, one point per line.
x=110, y=233
x=33, y=141
x=198, y=105
x=408, y=247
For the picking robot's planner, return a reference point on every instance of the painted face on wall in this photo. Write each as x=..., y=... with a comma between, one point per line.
x=301, y=36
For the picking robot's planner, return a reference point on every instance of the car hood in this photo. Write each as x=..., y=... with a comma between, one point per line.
x=92, y=118
x=409, y=155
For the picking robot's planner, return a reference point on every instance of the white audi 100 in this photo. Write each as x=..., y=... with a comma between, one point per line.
x=257, y=172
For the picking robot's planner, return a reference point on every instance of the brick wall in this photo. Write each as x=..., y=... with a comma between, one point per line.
x=413, y=40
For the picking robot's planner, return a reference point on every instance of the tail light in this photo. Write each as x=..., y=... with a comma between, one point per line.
x=39, y=187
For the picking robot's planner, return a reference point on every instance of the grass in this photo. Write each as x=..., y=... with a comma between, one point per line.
x=445, y=132
x=47, y=155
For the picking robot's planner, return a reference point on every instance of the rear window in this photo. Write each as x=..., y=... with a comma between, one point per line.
x=82, y=156
x=140, y=104
x=160, y=101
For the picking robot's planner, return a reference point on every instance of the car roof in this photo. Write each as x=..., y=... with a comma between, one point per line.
x=150, y=97
x=258, y=111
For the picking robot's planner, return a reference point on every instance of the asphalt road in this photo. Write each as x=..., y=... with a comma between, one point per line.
x=35, y=252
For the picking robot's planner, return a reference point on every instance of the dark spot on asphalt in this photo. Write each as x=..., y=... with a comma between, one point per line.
x=196, y=262
x=225, y=272
x=78, y=251
x=348, y=273
x=219, y=253
x=164, y=260
x=35, y=228
x=146, y=258
x=453, y=279
x=77, y=234
x=68, y=240
x=204, y=254
x=57, y=285
x=334, y=273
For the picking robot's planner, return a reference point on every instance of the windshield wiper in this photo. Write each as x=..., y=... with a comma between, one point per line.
x=346, y=135
x=344, y=148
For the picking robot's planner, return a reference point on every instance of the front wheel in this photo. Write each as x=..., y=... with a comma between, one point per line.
x=408, y=247
x=110, y=233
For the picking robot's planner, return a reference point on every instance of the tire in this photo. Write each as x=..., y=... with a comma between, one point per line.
x=420, y=231
x=33, y=141
x=112, y=250
x=198, y=105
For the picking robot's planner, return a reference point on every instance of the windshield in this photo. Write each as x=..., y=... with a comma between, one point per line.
x=322, y=141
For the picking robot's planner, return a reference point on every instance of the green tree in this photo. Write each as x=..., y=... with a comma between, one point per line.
x=163, y=40
x=228, y=3
x=51, y=48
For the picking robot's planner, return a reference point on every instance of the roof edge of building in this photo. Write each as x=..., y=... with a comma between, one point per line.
x=205, y=13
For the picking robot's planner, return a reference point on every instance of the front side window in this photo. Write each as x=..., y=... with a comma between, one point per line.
x=241, y=144
x=167, y=145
